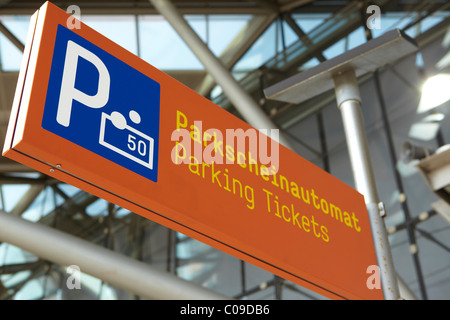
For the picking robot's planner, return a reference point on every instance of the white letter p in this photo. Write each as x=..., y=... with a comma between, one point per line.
x=69, y=92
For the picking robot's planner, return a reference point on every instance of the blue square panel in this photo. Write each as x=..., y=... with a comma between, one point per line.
x=103, y=105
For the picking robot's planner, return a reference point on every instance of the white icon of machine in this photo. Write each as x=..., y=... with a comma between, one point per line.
x=137, y=147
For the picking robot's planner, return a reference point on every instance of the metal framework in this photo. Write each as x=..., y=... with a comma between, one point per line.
x=341, y=73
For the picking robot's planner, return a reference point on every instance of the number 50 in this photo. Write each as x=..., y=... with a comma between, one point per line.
x=140, y=145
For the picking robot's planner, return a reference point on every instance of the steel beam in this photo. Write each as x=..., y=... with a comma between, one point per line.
x=237, y=48
x=243, y=102
x=27, y=199
x=109, y=266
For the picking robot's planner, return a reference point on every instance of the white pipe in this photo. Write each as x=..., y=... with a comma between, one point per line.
x=349, y=103
x=112, y=267
x=243, y=102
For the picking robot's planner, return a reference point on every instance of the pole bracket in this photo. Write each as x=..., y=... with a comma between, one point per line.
x=382, y=209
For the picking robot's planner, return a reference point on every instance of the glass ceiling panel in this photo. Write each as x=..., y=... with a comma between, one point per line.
x=11, y=56
x=354, y=39
x=162, y=47
x=32, y=290
x=119, y=28
x=18, y=25
x=433, y=20
x=12, y=194
x=42, y=205
x=309, y=22
x=400, y=20
x=158, y=43
x=223, y=29
x=261, y=51
x=98, y=208
x=335, y=50
x=289, y=36
x=275, y=39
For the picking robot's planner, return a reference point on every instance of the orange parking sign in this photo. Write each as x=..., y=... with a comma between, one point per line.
x=91, y=114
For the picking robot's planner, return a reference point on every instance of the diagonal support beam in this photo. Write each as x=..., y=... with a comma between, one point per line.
x=301, y=35
x=27, y=199
x=237, y=48
x=11, y=37
x=243, y=102
x=109, y=266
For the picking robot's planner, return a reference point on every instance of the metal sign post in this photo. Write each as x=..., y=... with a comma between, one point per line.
x=349, y=104
x=341, y=74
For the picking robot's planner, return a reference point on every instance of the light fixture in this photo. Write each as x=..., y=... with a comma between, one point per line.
x=435, y=92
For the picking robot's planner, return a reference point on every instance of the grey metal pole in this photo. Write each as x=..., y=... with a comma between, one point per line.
x=112, y=267
x=243, y=102
x=349, y=104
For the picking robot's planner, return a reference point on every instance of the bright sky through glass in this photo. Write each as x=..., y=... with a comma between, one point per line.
x=154, y=40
